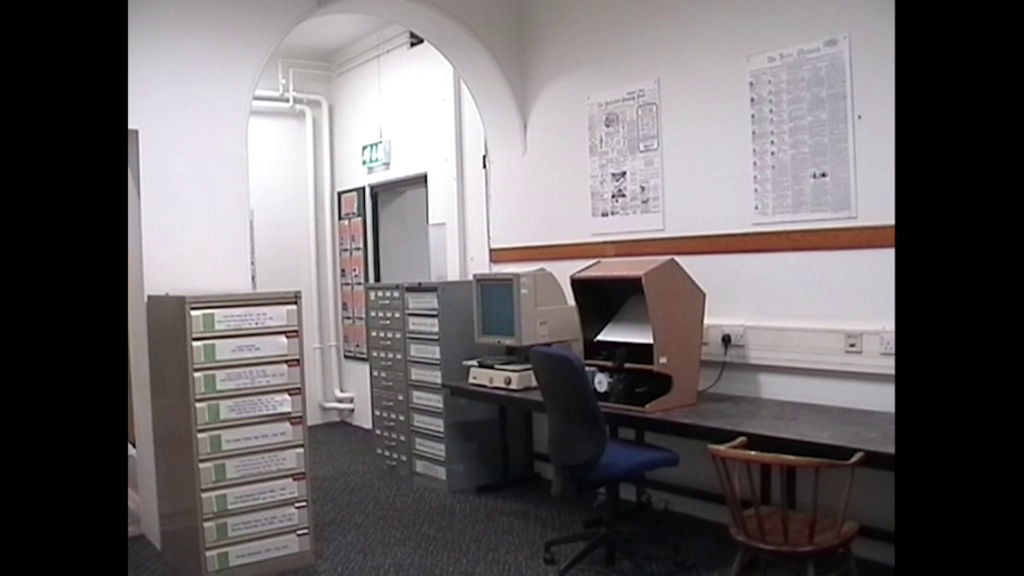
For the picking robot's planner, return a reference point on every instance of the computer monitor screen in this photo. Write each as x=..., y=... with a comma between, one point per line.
x=497, y=312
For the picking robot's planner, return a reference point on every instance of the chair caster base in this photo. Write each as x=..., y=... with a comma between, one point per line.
x=549, y=559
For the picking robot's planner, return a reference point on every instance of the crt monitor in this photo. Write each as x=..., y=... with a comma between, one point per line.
x=520, y=309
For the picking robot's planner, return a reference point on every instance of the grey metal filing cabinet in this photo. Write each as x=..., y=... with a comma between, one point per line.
x=454, y=442
x=229, y=428
x=388, y=389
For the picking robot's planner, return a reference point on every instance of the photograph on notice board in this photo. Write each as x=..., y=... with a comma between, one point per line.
x=356, y=233
x=343, y=235
x=359, y=302
x=349, y=204
x=356, y=268
x=347, y=308
x=359, y=347
x=345, y=268
x=348, y=342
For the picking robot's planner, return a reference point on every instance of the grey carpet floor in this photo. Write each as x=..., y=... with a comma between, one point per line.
x=368, y=522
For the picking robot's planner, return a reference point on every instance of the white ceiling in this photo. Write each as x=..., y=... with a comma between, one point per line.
x=319, y=38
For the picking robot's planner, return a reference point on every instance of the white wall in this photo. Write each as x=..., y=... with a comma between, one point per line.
x=473, y=144
x=415, y=109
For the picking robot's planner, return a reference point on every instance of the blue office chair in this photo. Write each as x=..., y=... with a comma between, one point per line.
x=580, y=450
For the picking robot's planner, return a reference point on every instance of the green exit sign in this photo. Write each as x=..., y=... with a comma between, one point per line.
x=377, y=154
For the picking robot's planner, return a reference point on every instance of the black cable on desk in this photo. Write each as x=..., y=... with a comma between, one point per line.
x=726, y=342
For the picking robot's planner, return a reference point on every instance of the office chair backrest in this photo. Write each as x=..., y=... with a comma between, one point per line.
x=576, y=429
x=784, y=527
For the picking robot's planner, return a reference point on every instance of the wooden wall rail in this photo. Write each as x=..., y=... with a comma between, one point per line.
x=851, y=238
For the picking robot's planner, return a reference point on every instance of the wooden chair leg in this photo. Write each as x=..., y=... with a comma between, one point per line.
x=737, y=564
x=851, y=561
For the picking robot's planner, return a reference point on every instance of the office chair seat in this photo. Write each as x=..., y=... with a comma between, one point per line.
x=623, y=460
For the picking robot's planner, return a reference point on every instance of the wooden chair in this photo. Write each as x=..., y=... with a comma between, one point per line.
x=763, y=529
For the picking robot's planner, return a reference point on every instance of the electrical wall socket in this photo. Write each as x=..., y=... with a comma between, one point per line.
x=887, y=343
x=853, y=343
x=737, y=333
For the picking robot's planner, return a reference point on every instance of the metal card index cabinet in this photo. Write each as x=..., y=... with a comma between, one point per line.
x=388, y=390
x=454, y=443
x=229, y=429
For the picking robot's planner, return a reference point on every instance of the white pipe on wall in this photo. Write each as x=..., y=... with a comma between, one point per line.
x=328, y=363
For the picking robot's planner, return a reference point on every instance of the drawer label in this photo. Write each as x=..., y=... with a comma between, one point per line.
x=422, y=324
x=255, y=495
x=243, y=318
x=263, y=521
x=431, y=447
x=430, y=375
x=251, y=437
x=430, y=469
x=255, y=551
x=256, y=465
x=428, y=399
x=240, y=348
x=421, y=300
x=428, y=422
x=429, y=351
x=249, y=407
x=242, y=378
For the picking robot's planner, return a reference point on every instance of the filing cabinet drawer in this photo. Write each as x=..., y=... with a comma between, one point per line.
x=428, y=446
x=390, y=400
x=421, y=301
x=256, y=523
x=249, y=378
x=423, y=351
x=387, y=360
x=249, y=407
x=390, y=438
x=426, y=399
x=384, y=298
x=423, y=422
x=241, y=498
x=424, y=374
x=257, y=551
x=387, y=381
x=252, y=466
x=384, y=319
x=248, y=437
x=207, y=352
x=381, y=339
x=213, y=320
x=390, y=420
x=423, y=325
x=429, y=468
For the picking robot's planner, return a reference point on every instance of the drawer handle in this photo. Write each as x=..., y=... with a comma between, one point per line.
x=388, y=403
x=390, y=444
x=391, y=462
x=389, y=424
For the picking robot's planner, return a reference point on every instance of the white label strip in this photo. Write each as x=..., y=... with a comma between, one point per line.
x=425, y=375
x=421, y=301
x=422, y=324
x=245, y=318
x=428, y=422
x=253, y=406
x=430, y=469
x=263, y=521
x=430, y=351
x=263, y=550
x=243, y=378
x=253, y=436
x=429, y=447
x=427, y=399
x=261, y=464
x=242, y=348
x=258, y=494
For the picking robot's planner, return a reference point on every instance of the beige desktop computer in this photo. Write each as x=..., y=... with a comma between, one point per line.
x=519, y=310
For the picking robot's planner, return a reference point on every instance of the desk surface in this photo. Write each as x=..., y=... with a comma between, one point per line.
x=826, y=430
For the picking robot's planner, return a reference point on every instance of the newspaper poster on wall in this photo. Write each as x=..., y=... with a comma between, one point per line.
x=801, y=114
x=624, y=128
